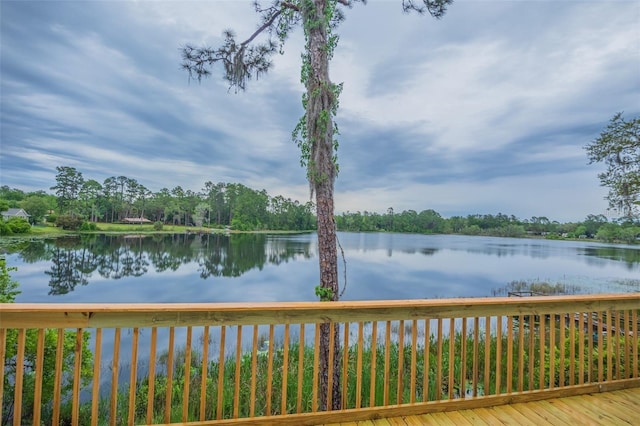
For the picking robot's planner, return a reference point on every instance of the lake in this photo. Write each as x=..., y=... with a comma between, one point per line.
x=284, y=267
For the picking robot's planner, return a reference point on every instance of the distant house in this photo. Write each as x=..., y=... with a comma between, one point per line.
x=6, y=215
x=138, y=220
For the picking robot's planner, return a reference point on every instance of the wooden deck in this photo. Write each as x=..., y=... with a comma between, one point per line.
x=620, y=407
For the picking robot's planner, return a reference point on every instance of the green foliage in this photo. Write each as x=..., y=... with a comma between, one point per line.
x=8, y=287
x=325, y=294
x=157, y=226
x=4, y=228
x=18, y=225
x=12, y=195
x=536, y=288
x=69, y=222
x=8, y=292
x=618, y=146
x=88, y=226
x=36, y=206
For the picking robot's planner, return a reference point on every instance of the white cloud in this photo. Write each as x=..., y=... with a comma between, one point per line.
x=525, y=82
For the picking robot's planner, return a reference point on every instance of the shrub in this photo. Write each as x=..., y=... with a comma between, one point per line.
x=4, y=228
x=19, y=225
x=88, y=226
x=69, y=222
x=157, y=226
x=52, y=218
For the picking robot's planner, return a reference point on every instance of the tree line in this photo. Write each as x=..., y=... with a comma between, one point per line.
x=242, y=208
x=119, y=198
x=499, y=225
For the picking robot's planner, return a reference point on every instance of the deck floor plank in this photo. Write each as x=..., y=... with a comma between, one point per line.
x=437, y=419
x=458, y=418
x=488, y=417
x=596, y=416
x=608, y=408
x=604, y=406
x=473, y=418
x=539, y=417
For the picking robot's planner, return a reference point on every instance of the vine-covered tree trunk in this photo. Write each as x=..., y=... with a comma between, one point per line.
x=322, y=171
x=314, y=133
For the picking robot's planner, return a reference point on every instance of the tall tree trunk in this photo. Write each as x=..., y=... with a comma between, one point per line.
x=321, y=175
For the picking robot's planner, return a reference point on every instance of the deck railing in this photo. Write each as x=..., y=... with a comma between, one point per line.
x=259, y=362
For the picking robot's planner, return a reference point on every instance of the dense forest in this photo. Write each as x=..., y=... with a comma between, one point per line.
x=219, y=205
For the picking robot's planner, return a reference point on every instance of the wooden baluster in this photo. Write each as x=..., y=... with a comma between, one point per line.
x=316, y=368
x=609, y=347
x=19, y=378
x=168, y=394
x=580, y=348
x=359, y=365
x=37, y=398
x=300, y=368
x=635, y=342
x=615, y=334
x=531, y=349
x=236, y=386
x=113, y=420
x=332, y=339
x=57, y=381
x=542, y=332
x=552, y=351
x=205, y=373
x=152, y=374
x=590, y=360
x=374, y=350
x=439, y=362
x=572, y=349
x=463, y=359
x=133, y=377
x=562, y=369
x=487, y=356
x=285, y=370
x=187, y=376
x=452, y=360
x=627, y=344
x=77, y=365
x=520, y=353
x=400, y=387
x=3, y=352
x=270, y=369
x=476, y=355
x=254, y=372
x=345, y=366
x=600, y=349
x=509, y=354
x=414, y=353
x=95, y=390
x=427, y=359
x=387, y=363
x=499, y=355
x=219, y=403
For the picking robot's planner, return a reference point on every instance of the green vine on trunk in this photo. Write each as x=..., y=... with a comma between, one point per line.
x=325, y=294
x=300, y=134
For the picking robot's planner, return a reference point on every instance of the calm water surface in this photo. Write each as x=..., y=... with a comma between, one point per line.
x=258, y=267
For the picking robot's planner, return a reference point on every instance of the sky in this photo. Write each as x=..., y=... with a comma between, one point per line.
x=487, y=110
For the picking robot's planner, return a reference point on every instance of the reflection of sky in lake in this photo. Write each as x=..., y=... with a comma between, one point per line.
x=379, y=266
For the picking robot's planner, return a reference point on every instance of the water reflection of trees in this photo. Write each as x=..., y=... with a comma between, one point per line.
x=630, y=256
x=75, y=260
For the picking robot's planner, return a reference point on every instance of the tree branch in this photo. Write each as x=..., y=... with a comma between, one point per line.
x=262, y=28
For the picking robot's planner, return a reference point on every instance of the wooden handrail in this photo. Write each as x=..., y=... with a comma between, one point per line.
x=94, y=315
x=394, y=357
